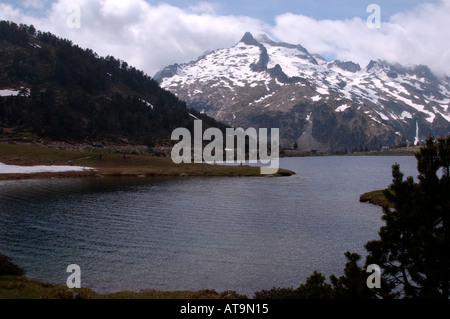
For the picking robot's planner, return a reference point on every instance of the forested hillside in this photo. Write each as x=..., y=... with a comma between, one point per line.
x=54, y=89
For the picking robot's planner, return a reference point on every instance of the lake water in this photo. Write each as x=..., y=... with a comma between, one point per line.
x=222, y=233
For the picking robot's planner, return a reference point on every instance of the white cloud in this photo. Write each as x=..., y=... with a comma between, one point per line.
x=151, y=37
x=418, y=36
x=204, y=8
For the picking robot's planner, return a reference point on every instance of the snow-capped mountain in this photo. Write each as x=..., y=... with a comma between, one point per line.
x=317, y=104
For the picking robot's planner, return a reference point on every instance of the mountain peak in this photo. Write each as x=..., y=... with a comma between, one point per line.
x=346, y=65
x=264, y=38
x=374, y=64
x=248, y=39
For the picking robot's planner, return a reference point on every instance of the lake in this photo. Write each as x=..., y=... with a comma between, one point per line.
x=224, y=233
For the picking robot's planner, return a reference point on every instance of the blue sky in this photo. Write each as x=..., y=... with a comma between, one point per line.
x=267, y=10
x=153, y=34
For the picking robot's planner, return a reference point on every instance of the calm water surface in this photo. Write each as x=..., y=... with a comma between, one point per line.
x=243, y=234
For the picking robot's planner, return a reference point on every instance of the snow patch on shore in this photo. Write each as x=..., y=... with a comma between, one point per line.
x=16, y=169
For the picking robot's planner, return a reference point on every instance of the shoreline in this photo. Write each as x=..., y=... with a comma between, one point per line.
x=99, y=164
x=104, y=162
x=22, y=287
x=402, y=151
x=14, y=284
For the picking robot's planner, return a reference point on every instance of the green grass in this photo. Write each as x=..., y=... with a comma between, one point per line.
x=375, y=197
x=115, y=165
x=20, y=287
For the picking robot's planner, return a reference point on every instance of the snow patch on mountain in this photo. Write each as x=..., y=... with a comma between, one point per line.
x=147, y=103
x=342, y=108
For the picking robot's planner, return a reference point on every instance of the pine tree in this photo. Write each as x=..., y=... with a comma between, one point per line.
x=352, y=285
x=315, y=288
x=414, y=246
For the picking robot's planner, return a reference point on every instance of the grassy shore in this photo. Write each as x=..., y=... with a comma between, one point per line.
x=15, y=285
x=375, y=197
x=112, y=164
x=21, y=287
x=400, y=151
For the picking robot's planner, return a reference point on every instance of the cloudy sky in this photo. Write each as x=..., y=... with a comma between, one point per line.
x=153, y=34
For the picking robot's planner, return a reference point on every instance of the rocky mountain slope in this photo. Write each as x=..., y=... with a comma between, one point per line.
x=318, y=105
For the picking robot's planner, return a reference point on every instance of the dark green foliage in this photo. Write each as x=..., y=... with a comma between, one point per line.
x=315, y=288
x=276, y=293
x=414, y=246
x=353, y=285
x=8, y=268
